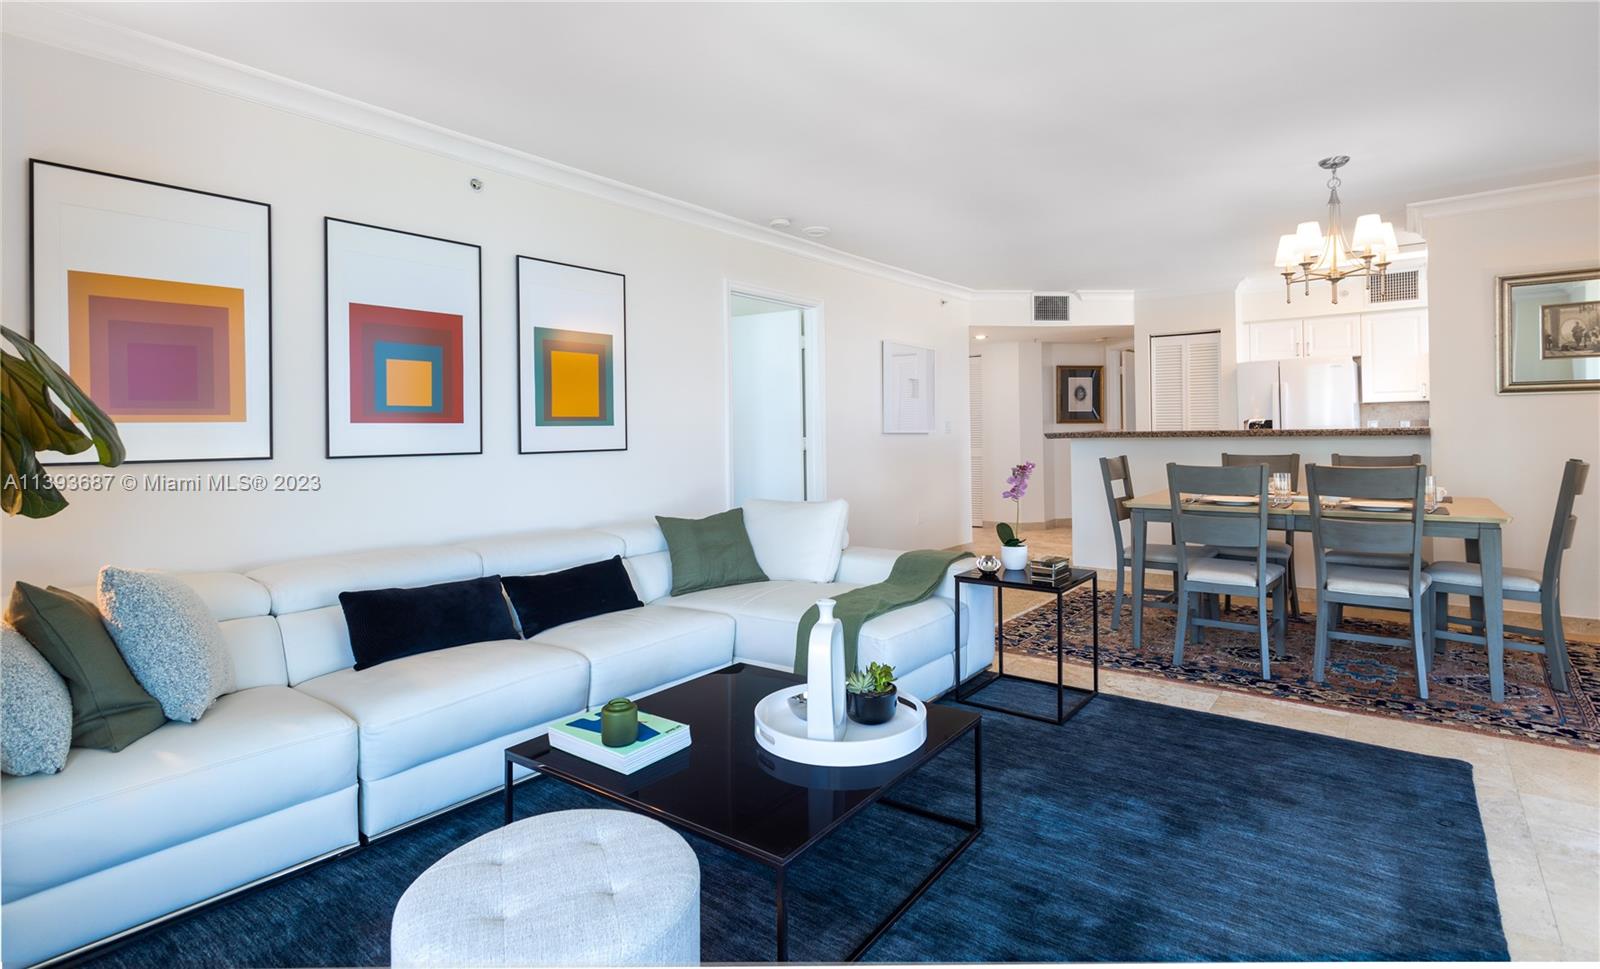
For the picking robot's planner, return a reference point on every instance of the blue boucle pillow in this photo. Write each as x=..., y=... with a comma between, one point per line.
x=169, y=639
x=35, y=709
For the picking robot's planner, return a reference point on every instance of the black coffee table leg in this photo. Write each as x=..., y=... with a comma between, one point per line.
x=508, y=790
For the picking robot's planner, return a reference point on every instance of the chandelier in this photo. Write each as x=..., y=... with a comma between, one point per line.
x=1308, y=254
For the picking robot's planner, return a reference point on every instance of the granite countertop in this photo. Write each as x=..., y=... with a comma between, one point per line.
x=1289, y=432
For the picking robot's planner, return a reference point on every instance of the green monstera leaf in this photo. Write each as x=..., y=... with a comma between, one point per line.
x=32, y=422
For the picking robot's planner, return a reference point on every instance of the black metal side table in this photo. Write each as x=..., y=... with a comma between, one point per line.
x=1019, y=579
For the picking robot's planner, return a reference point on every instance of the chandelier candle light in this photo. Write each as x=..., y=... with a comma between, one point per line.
x=1307, y=254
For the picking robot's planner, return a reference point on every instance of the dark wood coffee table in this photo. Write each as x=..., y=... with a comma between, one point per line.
x=727, y=789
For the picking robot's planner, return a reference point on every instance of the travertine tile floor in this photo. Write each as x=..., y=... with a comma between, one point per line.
x=1540, y=804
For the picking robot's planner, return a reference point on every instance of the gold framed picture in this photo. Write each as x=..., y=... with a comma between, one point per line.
x=1080, y=394
x=1547, y=332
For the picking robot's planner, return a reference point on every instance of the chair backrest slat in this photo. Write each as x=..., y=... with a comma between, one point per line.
x=1346, y=531
x=1195, y=524
x=1276, y=464
x=1114, y=471
x=1574, y=475
x=1376, y=461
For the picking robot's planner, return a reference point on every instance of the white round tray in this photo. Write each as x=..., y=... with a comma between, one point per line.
x=782, y=733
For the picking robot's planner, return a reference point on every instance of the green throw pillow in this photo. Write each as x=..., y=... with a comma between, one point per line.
x=709, y=553
x=110, y=710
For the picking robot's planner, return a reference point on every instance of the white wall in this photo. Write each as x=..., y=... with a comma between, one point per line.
x=1057, y=484
x=1192, y=313
x=904, y=490
x=1011, y=413
x=1510, y=447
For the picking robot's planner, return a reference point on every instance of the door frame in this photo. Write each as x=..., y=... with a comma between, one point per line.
x=815, y=409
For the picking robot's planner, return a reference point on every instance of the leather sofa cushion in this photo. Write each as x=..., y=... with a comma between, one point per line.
x=636, y=650
x=798, y=540
x=255, y=752
x=303, y=584
x=521, y=553
x=387, y=624
x=412, y=710
x=555, y=598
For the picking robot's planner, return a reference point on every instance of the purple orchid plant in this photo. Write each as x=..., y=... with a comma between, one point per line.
x=1016, y=487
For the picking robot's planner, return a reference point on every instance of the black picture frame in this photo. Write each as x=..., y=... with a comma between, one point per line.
x=1089, y=407
x=327, y=335
x=34, y=164
x=517, y=262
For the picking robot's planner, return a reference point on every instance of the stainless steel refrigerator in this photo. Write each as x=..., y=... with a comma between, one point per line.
x=1296, y=394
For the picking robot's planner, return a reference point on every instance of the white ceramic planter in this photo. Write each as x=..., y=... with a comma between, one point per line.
x=1014, y=557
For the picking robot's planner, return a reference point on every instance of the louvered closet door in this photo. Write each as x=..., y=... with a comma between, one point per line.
x=1166, y=383
x=975, y=390
x=1185, y=381
x=1202, y=382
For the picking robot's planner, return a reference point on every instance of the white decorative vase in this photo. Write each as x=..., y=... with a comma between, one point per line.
x=825, y=676
x=1014, y=557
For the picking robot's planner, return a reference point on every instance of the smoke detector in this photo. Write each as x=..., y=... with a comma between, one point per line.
x=779, y=223
x=815, y=231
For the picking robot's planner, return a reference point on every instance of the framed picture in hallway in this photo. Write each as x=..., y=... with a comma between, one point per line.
x=157, y=300
x=1547, y=332
x=572, y=358
x=404, y=334
x=1080, y=395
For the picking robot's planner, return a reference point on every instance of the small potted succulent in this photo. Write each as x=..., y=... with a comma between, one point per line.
x=870, y=694
x=1013, y=549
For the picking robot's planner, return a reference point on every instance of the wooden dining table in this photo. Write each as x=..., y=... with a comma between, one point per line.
x=1478, y=521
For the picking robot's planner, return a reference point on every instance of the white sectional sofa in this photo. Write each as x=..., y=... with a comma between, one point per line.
x=310, y=756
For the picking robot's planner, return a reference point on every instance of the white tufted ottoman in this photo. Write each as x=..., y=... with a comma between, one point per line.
x=598, y=888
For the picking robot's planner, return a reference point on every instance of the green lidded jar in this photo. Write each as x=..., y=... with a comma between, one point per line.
x=619, y=722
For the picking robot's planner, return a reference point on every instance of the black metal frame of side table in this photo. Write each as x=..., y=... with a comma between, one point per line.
x=999, y=581
x=780, y=866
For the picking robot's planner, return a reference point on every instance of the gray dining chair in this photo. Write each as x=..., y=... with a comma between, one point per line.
x=1195, y=522
x=1375, y=460
x=1523, y=585
x=1283, y=551
x=1114, y=473
x=1404, y=589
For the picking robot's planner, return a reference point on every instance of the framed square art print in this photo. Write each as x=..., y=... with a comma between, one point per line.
x=1080, y=395
x=404, y=324
x=157, y=300
x=572, y=358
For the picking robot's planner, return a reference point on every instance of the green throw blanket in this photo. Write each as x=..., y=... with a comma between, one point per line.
x=914, y=577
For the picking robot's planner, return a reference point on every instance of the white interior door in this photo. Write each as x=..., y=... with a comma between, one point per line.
x=767, y=409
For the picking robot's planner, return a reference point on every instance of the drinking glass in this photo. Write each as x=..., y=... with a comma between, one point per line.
x=1281, y=490
x=1430, y=495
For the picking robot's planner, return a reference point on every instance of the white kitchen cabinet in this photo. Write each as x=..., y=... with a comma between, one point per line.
x=1394, y=356
x=1332, y=336
x=1277, y=340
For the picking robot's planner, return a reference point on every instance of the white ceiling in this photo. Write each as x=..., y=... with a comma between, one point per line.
x=1038, y=333
x=996, y=146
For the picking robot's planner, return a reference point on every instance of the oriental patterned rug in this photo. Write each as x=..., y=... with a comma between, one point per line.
x=1361, y=678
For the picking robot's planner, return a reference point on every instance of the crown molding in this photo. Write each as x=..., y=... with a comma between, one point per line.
x=1561, y=190
x=69, y=30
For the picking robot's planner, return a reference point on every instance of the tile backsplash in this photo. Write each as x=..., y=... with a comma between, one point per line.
x=1390, y=415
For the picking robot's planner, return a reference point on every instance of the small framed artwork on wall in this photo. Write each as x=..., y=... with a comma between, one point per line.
x=1080, y=396
x=157, y=300
x=404, y=331
x=572, y=358
x=907, y=389
x=1547, y=327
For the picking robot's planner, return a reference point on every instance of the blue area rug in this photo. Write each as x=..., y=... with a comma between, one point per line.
x=1135, y=833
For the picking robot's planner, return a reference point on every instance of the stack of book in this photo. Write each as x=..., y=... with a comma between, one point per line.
x=1054, y=569
x=659, y=738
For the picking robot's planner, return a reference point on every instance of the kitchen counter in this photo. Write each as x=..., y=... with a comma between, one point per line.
x=1240, y=433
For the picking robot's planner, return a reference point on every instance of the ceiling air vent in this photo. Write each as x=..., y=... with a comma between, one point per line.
x=1050, y=307
x=1396, y=287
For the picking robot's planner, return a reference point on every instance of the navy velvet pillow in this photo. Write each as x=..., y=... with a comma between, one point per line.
x=387, y=624
x=543, y=601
